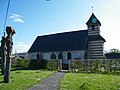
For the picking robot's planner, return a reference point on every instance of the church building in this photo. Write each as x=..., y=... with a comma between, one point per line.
x=79, y=44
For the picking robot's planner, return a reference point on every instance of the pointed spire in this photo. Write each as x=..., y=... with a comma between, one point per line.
x=90, y=22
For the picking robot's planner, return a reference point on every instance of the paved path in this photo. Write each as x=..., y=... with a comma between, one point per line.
x=51, y=83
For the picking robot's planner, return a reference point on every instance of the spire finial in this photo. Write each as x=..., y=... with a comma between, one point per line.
x=92, y=9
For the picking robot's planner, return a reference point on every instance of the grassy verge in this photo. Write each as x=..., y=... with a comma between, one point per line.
x=77, y=81
x=23, y=79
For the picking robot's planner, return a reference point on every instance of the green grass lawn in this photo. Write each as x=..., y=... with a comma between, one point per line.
x=23, y=79
x=77, y=81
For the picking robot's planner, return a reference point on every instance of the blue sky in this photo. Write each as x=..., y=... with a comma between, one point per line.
x=32, y=18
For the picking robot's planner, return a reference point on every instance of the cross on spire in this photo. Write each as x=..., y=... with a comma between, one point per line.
x=92, y=9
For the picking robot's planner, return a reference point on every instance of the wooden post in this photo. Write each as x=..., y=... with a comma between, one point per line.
x=9, y=43
x=69, y=65
x=60, y=64
x=69, y=59
x=3, y=56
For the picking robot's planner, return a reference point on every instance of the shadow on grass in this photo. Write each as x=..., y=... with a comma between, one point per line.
x=104, y=73
x=25, y=68
x=21, y=68
x=1, y=73
x=1, y=82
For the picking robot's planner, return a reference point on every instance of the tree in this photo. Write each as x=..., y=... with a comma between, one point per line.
x=114, y=50
x=10, y=32
x=3, y=58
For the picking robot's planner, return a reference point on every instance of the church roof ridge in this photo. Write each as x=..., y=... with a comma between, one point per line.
x=62, y=33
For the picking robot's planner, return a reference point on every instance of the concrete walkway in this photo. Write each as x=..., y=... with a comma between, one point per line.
x=51, y=83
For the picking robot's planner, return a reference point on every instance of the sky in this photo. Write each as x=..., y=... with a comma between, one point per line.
x=32, y=18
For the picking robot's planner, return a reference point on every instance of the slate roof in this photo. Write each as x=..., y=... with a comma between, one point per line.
x=112, y=55
x=68, y=41
x=96, y=37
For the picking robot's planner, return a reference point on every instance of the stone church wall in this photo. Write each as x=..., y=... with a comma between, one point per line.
x=47, y=55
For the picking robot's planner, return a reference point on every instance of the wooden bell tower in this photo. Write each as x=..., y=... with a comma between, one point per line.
x=95, y=40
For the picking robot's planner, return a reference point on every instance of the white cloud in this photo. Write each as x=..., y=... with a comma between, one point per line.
x=21, y=47
x=13, y=16
x=16, y=18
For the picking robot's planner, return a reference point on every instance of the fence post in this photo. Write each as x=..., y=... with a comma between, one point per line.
x=60, y=64
x=69, y=65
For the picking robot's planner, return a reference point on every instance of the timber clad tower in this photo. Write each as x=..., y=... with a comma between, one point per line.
x=95, y=40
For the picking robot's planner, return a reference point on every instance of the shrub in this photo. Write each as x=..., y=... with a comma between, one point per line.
x=38, y=64
x=75, y=65
x=96, y=66
x=43, y=64
x=20, y=62
x=52, y=65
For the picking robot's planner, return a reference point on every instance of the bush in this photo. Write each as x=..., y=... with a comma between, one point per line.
x=20, y=62
x=75, y=65
x=38, y=64
x=52, y=65
x=96, y=66
x=43, y=64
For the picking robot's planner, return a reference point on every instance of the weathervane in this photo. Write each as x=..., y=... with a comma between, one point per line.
x=92, y=9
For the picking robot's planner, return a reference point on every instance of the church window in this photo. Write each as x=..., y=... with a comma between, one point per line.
x=53, y=56
x=60, y=56
x=38, y=57
x=68, y=55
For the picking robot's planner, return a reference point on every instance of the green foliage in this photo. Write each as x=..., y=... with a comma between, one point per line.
x=84, y=86
x=78, y=81
x=38, y=64
x=24, y=79
x=75, y=65
x=20, y=62
x=95, y=66
x=52, y=65
x=114, y=50
x=43, y=64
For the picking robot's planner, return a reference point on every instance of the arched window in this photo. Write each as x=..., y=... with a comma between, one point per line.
x=53, y=56
x=38, y=57
x=60, y=56
x=68, y=55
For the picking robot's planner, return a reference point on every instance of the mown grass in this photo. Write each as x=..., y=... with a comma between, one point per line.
x=23, y=79
x=77, y=81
